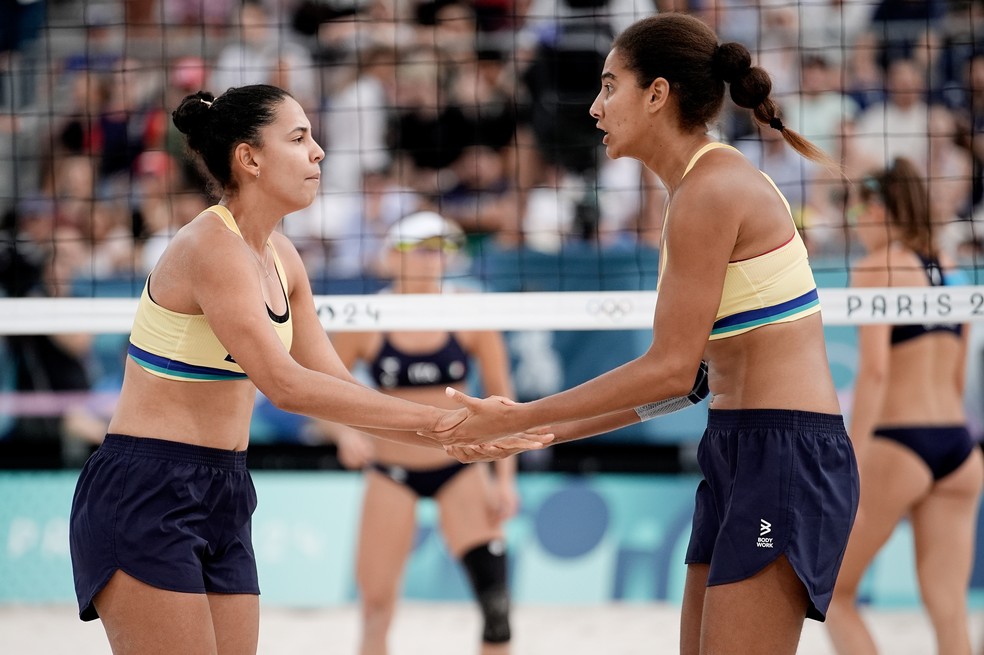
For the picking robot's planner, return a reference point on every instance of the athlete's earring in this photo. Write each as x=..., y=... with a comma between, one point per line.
x=257, y=174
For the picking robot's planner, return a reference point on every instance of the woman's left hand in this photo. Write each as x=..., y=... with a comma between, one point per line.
x=500, y=448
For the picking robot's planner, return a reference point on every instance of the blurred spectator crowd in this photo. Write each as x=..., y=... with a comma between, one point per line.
x=476, y=109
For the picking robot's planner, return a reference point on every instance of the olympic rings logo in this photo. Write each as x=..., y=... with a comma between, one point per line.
x=616, y=310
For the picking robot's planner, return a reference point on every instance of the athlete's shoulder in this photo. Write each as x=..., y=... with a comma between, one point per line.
x=871, y=269
x=202, y=234
x=720, y=175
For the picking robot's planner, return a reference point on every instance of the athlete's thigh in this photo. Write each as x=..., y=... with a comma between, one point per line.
x=236, y=621
x=944, y=526
x=893, y=480
x=143, y=620
x=893, y=476
x=693, y=608
x=386, y=535
x=467, y=519
x=761, y=614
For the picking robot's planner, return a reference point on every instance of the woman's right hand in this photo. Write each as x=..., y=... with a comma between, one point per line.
x=478, y=421
x=355, y=450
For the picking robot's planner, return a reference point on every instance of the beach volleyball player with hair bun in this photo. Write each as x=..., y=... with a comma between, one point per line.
x=160, y=527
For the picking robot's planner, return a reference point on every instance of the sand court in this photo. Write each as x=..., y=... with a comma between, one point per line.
x=423, y=628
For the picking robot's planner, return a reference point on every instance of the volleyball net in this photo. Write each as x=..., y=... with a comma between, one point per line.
x=517, y=311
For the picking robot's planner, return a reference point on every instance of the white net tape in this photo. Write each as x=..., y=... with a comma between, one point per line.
x=568, y=310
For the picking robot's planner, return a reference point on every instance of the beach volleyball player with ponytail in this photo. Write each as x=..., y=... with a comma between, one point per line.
x=780, y=486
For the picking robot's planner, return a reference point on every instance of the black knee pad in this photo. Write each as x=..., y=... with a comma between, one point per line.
x=486, y=566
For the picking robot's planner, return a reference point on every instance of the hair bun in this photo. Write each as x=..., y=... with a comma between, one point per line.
x=731, y=62
x=193, y=114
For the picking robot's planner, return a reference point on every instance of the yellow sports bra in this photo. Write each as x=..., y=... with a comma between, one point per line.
x=182, y=346
x=774, y=287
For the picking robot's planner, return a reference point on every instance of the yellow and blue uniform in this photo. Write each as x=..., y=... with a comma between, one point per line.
x=774, y=287
x=183, y=347
x=134, y=489
x=772, y=477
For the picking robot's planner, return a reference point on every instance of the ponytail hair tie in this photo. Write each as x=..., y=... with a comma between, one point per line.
x=776, y=124
x=206, y=103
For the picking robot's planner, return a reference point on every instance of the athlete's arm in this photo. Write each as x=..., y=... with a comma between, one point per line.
x=954, y=277
x=226, y=289
x=960, y=384
x=874, y=357
x=313, y=351
x=569, y=431
x=701, y=232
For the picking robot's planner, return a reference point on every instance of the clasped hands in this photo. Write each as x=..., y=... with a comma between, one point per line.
x=484, y=429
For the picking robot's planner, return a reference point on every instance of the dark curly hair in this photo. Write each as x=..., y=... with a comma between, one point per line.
x=215, y=126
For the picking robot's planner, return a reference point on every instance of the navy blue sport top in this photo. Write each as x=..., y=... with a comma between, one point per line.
x=394, y=368
x=903, y=333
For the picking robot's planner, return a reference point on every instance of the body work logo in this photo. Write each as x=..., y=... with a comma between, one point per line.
x=765, y=528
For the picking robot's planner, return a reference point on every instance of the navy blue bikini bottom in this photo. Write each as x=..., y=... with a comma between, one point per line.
x=425, y=483
x=942, y=448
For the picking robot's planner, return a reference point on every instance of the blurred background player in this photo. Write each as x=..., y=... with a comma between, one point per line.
x=473, y=504
x=915, y=454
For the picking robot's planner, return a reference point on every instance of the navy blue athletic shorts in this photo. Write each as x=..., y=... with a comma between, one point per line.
x=172, y=515
x=776, y=482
